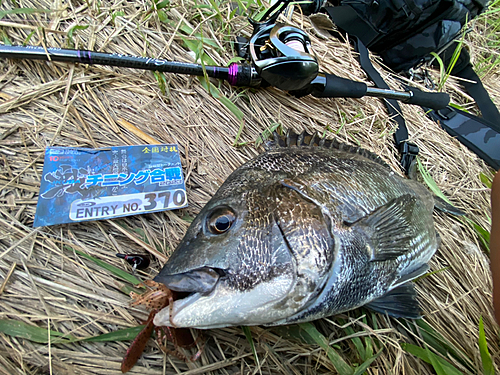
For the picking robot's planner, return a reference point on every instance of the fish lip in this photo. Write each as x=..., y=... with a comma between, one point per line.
x=186, y=284
x=199, y=280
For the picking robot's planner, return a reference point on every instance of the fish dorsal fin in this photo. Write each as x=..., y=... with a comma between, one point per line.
x=400, y=302
x=292, y=139
x=390, y=228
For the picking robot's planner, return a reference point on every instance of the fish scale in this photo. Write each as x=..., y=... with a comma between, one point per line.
x=315, y=228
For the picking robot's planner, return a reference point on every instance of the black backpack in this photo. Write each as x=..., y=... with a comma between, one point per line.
x=404, y=33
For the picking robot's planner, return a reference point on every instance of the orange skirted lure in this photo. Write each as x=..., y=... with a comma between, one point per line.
x=157, y=298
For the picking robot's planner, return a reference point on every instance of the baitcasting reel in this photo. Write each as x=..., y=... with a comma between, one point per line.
x=281, y=55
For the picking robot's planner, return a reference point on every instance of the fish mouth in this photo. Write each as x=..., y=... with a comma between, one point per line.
x=187, y=287
x=212, y=303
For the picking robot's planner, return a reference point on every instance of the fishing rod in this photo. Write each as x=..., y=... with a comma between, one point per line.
x=276, y=55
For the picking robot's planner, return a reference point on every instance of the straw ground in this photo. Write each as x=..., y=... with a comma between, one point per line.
x=47, y=283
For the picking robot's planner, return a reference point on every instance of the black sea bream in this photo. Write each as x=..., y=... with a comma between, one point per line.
x=308, y=229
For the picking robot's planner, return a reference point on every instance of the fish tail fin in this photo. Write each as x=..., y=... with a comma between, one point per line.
x=400, y=302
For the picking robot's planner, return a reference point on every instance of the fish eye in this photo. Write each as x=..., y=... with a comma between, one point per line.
x=221, y=220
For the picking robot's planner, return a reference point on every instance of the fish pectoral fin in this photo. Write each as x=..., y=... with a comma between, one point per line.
x=390, y=228
x=412, y=275
x=400, y=302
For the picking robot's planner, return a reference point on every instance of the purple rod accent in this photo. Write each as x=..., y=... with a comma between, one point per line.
x=232, y=76
x=84, y=56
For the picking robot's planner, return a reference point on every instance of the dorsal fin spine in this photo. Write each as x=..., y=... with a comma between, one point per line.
x=292, y=139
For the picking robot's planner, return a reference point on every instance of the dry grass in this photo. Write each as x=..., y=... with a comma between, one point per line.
x=44, y=104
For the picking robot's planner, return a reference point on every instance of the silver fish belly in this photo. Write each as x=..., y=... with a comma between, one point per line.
x=308, y=229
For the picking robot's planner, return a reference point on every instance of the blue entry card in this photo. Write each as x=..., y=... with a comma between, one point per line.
x=80, y=184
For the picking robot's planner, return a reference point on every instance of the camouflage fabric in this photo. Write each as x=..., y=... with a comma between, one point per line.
x=477, y=134
x=418, y=48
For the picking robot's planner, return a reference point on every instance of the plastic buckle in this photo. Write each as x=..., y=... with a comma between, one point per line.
x=409, y=152
x=446, y=113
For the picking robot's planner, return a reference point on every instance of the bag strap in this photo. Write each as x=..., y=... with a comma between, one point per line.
x=348, y=20
x=480, y=135
x=474, y=132
x=408, y=151
x=474, y=86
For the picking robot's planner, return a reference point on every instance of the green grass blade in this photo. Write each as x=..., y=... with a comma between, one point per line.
x=487, y=181
x=294, y=333
x=488, y=368
x=430, y=181
x=28, y=38
x=483, y=233
x=217, y=95
x=248, y=335
x=456, y=53
x=114, y=270
x=231, y=106
x=368, y=342
x=217, y=10
x=364, y=366
x=163, y=85
x=126, y=334
x=240, y=130
x=259, y=15
x=338, y=362
x=16, y=328
x=441, y=70
x=355, y=340
x=234, y=60
x=267, y=133
x=3, y=13
x=435, y=362
x=117, y=14
x=434, y=340
x=71, y=31
x=5, y=38
x=459, y=107
x=163, y=4
x=427, y=356
x=162, y=15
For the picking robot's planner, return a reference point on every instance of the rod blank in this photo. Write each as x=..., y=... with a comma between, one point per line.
x=112, y=59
